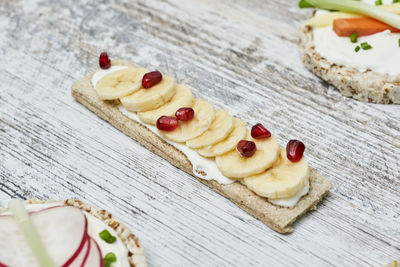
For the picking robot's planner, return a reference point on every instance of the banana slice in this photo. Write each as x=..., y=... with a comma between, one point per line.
x=120, y=83
x=237, y=133
x=204, y=115
x=233, y=165
x=182, y=98
x=219, y=129
x=152, y=98
x=284, y=180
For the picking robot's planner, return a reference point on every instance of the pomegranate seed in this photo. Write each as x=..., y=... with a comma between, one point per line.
x=246, y=148
x=104, y=61
x=184, y=114
x=151, y=78
x=166, y=123
x=258, y=131
x=295, y=150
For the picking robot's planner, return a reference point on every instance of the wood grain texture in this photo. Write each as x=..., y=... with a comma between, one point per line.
x=240, y=55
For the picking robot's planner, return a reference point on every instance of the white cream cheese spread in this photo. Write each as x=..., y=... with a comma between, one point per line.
x=203, y=168
x=382, y=58
x=101, y=73
x=95, y=226
x=291, y=202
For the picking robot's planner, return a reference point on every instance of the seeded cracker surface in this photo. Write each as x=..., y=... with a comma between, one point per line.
x=136, y=254
x=368, y=86
x=277, y=218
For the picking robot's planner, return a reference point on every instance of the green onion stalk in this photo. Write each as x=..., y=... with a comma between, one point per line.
x=31, y=235
x=354, y=7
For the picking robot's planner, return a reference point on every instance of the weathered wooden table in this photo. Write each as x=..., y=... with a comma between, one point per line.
x=241, y=55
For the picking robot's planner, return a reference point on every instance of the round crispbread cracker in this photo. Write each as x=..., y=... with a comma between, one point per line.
x=136, y=255
x=367, y=86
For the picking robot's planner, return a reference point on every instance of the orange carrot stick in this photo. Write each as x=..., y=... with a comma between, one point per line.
x=361, y=26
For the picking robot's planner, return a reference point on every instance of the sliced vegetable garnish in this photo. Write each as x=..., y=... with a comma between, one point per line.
x=357, y=48
x=354, y=37
x=109, y=259
x=327, y=19
x=378, y=2
x=110, y=256
x=304, y=4
x=399, y=38
x=106, y=236
x=361, y=26
x=28, y=229
x=355, y=7
x=365, y=46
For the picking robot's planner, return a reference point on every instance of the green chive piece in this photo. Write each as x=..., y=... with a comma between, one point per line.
x=304, y=4
x=111, y=240
x=357, y=48
x=399, y=38
x=378, y=2
x=354, y=37
x=396, y=1
x=110, y=257
x=365, y=46
x=106, y=236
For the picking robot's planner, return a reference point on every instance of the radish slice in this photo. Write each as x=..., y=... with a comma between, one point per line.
x=81, y=258
x=62, y=229
x=89, y=241
x=95, y=258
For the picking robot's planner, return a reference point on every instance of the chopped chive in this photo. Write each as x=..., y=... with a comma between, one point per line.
x=396, y=1
x=365, y=46
x=111, y=240
x=106, y=236
x=354, y=37
x=304, y=4
x=378, y=2
x=357, y=48
x=399, y=38
x=110, y=257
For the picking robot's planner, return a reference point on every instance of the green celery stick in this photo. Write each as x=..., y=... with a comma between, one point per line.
x=25, y=224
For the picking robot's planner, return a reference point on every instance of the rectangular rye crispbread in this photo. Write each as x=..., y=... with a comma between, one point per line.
x=279, y=219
